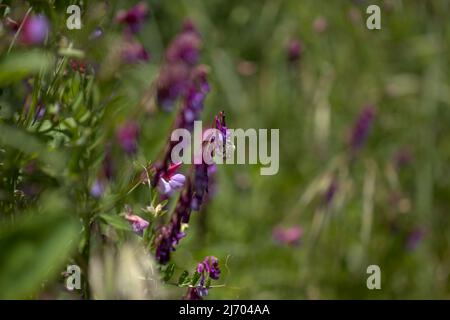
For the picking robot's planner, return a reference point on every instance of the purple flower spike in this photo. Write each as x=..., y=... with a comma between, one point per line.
x=34, y=30
x=137, y=223
x=362, y=128
x=133, y=18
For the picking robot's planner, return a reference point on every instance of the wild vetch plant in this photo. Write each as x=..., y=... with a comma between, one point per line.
x=85, y=153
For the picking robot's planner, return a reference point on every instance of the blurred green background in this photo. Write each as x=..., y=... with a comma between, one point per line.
x=378, y=209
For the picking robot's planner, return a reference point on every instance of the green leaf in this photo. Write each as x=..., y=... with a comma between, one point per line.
x=168, y=273
x=34, y=248
x=195, y=279
x=19, y=65
x=116, y=221
x=31, y=145
x=183, y=279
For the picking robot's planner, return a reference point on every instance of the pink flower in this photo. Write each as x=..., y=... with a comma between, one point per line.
x=34, y=30
x=137, y=223
x=289, y=236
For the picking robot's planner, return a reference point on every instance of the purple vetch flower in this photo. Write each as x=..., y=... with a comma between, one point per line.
x=97, y=33
x=138, y=224
x=170, y=234
x=35, y=29
x=288, y=236
x=127, y=135
x=195, y=294
x=134, y=17
x=210, y=266
x=362, y=128
x=97, y=188
x=134, y=52
x=171, y=181
x=294, y=50
x=415, y=237
x=185, y=47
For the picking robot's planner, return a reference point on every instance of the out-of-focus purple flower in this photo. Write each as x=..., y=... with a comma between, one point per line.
x=320, y=24
x=178, y=77
x=97, y=33
x=134, y=17
x=171, y=181
x=209, y=265
x=415, y=237
x=137, y=223
x=134, y=52
x=170, y=234
x=172, y=83
x=362, y=128
x=294, y=50
x=402, y=158
x=97, y=188
x=185, y=47
x=35, y=29
x=40, y=112
x=289, y=236
x=127, y=135
x=331, y=191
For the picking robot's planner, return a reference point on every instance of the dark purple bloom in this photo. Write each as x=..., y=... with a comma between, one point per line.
x=415, y=237
x=289, y=236
x=210, y=266
x=362, y=128
x=200, y=185
x=134, y=17
x=294, y=50
x=34, y=30
x=127, y=135
x=194, y=294
x=331, y=191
